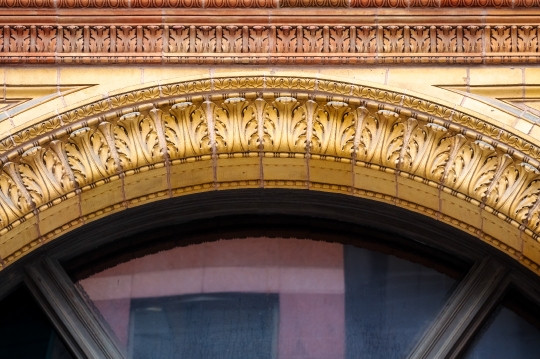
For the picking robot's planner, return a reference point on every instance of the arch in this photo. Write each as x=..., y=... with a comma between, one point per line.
x=168, y=140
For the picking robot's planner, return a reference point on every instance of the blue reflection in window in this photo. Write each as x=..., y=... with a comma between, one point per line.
x=205, y=326
x=389, y=303
x=507, y=336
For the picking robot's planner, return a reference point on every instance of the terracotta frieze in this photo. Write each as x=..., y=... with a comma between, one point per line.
x=266, y=3
x=263, y=44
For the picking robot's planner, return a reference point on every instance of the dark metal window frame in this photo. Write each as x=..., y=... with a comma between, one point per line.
x=86, y=335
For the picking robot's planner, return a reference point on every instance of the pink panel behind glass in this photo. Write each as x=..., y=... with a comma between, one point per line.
x=116, y=312
x=308, y=276
x=311, y=326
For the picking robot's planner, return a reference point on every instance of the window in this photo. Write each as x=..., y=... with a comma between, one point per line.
x=350, y=291
x=25, y=332
x=268, y=298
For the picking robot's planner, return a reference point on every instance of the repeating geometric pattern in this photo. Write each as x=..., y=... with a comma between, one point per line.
x=266, y=3
x=188, y=122
x=279, y=44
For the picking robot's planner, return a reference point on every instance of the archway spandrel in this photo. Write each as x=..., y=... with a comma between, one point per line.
x=277, y=132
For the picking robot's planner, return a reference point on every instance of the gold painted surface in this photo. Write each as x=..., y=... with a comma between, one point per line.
x=159, y=141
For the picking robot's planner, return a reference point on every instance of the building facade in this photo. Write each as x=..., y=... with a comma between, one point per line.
x=409, y=128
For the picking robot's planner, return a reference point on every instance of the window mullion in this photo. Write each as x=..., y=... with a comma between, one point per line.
x=74, y=321
x=474, y=299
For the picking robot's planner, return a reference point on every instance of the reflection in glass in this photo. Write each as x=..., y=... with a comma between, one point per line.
x=389, y=303
x=507, y=336
x=204, y=326
x=25, y=332
x=268, y=298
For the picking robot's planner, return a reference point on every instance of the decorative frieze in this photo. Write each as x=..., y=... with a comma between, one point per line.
x=196, y=121
x=266, y=3
x=269, y=44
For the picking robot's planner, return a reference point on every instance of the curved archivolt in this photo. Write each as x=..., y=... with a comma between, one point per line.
x=215, y=134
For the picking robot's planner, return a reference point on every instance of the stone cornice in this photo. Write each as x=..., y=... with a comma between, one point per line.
x=279, y=43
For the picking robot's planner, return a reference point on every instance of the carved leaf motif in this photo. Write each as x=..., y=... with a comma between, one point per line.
x=427, y=152
x=153, y=39
x=381, y=138
x=13, y=203
x=472, y=169
x=136, y=141
x=46, y=39
x=285, y=125
x=236, y=126
x=19, y=39
x=527, y=39
x=206, y=39
x=516, y=190
x=339, y=39
x=179, y=39
x=126, y=39
x=366, y=39
x=472, y=39
x=73, y=39
x=446, y=39
x=333, y=130
x=258, y=39
x=232, y=39
x=500, y=39
x=313, y=39
x=100, y=40
x=393, y=39
x=419, y=41
x=186, y=132
x=286, y=39
x=43, y=173
x=89, y=155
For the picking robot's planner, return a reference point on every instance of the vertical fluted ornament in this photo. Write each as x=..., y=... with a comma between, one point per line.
x=285, y=124
x=13, y=202
x=136, y=141
x=236, y=126
x=428, y=152
x=89, y=155
x=516, y=190
x=472, y=169
x=44, y=175
x=186, y=131
x=333, y=130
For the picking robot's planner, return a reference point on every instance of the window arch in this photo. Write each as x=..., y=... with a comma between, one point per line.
x=485, y=277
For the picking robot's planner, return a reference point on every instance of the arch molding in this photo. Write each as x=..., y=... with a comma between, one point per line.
x=301, y=133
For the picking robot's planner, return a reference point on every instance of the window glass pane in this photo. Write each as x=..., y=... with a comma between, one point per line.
x=389, y=303
x=506, y=336
x=25, y=332
x=204, y=326
x=268, y=298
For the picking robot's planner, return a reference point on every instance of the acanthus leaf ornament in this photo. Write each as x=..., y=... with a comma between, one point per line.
x=428, y=152
x=89, y=155
x=236, y=126
x=43, y=173
x=186, y=131
x=15, y=201
x=136, y=141
x=333, y=130
x=285, y=124
x=303, y=118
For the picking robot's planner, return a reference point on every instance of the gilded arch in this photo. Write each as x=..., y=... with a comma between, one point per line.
x=167, y=140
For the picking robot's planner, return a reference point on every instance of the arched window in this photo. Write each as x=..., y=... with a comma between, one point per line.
x=271, y=286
